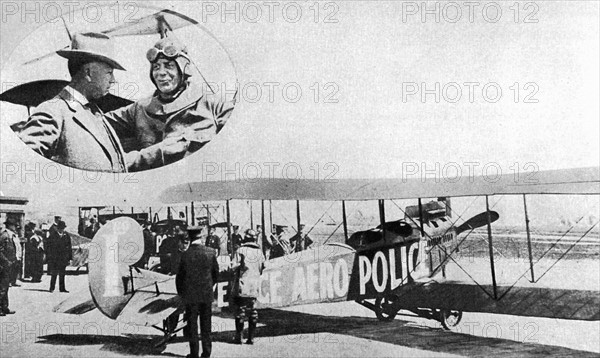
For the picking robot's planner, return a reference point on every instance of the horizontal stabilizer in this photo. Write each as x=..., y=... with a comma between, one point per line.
x=78, y=303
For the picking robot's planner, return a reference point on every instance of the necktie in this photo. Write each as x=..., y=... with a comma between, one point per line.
x=114, y=141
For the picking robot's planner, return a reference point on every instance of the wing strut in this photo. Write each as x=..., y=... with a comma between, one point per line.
x=528, y=238
x=298, y=218
x=193, y=213
x=344, y=221
x=262, y=222
x=270, y=219
x=382, y=217
x=421, y=223
x=491, y=245
x=251, y=215
x=228, y=212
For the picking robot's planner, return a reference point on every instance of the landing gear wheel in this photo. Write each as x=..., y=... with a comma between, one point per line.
x=450, y=319
x=381, y=305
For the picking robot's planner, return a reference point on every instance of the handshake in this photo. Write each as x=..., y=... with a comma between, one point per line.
x=170, y=150
x=187, y=143
x=174, y=145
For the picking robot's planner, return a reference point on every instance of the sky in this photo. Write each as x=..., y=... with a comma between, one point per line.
x=367, y=73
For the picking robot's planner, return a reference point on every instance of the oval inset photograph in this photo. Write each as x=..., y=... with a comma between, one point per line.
x=118, y=91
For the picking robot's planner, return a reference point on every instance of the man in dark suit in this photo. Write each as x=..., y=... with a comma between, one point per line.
x=8, y=256
x=213, y=240
x=197, y=273
x=236, y=239
x=58, y=255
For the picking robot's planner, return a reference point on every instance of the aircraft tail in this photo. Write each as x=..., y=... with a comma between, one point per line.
x=116, y=246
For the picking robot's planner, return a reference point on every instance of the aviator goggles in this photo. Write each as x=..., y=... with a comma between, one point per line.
x=169, y=52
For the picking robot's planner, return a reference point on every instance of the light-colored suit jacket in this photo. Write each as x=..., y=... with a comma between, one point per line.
x=67, y=131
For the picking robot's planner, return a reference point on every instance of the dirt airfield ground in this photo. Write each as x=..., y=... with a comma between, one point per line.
x=343, y=329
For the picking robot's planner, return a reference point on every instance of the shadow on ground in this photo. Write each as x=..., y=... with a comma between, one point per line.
x=134, y=345
x=285, y=323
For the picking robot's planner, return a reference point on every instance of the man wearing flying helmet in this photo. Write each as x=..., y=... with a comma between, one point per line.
x=248, y=264
x=179, y=110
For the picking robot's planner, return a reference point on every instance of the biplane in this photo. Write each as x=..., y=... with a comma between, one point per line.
x=398, y=265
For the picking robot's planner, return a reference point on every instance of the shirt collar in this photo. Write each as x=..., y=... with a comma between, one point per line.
x=77, y=96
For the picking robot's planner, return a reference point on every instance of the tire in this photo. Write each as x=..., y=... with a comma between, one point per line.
x=156, y=268
x=450, y=318
x=380, y=305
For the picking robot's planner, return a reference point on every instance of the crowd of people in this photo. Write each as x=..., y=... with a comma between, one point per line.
x=44, y=245
x=170, y=242
x=188, y=252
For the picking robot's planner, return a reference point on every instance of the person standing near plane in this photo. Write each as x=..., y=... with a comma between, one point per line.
x=197, y=273
x=248, y=264
x=182, y=245
x=236, y=239
x=281, y=245
x=17, y=266
x=36, y=244
x=300, y=241
x=267, y=244
x=213, y=240
x=59, y=254
x=8, y=256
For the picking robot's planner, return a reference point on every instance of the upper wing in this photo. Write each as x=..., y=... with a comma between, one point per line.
x=31, y=94
x=562, y=181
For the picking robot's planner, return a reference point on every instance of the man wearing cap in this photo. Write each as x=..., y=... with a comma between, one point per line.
x=58, y=253
x=247, y=264
x=236, y=239
x=197, y=273
x=178, y=108
x=8, y=256
x=70, y=128
x=213, y=240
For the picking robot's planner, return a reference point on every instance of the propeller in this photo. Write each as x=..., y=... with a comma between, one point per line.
x=476, y=221
x=31, y=94
x=157, y=23
x=50, y=54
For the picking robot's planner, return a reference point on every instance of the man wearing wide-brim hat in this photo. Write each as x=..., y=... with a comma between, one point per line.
x=8, y=256
x=59, y=253
x=70, y=128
